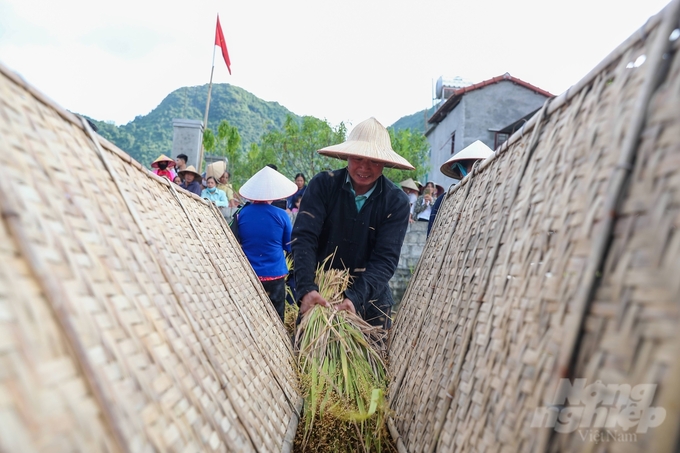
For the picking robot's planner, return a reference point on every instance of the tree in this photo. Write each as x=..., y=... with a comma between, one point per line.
x=413, y=146
x=254, y=161
x=294, y=148
x=226, y=143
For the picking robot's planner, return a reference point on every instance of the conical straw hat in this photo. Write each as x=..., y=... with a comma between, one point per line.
x=216, y=169
x=267, y=185
x=190, y=169
x=409, y=184
x=369, y=139
x=476, y=151
x=163, y=158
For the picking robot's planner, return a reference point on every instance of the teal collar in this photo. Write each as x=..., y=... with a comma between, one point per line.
x=359, y=200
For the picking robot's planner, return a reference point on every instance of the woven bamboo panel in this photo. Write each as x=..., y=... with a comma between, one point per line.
x=129, y=318
x=451, y=309
x=631, y=330
x=482, y=336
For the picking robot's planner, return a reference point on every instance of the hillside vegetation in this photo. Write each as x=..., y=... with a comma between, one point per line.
x=147, y=136
x=415, y=121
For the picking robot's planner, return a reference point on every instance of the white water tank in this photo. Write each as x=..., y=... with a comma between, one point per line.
x=446, y=85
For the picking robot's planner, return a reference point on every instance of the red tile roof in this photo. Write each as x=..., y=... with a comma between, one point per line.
x=453, y=101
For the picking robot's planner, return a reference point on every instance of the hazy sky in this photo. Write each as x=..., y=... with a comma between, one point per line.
x=340, y=60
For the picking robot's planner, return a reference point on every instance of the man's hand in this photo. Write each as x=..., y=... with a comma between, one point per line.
x=346, y=305
x=310, y=299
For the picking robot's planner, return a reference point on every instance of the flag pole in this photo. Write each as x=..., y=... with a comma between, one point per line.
x=207, y=107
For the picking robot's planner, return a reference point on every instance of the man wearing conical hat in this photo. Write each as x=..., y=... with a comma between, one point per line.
x=358, y=214
x=191, y=180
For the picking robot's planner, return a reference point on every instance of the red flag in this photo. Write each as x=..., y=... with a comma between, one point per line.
x=219, y=41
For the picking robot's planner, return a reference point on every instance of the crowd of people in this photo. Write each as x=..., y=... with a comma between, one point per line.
x=212, y=185
x=354, y=213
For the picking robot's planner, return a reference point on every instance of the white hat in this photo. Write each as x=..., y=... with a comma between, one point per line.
x=475, y=151
x=368, y=139
x=409, y=184
x=267, y=185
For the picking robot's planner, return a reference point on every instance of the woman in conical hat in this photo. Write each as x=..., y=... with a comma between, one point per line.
x=409, y=184
x=411, y=188
x=460, y=164
x=162, y=166
x=264, y=231
x=359, y=215
x=458, y=167
x=191, y=180
x=216, y=169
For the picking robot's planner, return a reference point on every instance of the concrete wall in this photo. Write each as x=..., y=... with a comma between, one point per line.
x=495, y=107
x=416, y=235
x=187, y=138
x=440, y=142
x=491, y=107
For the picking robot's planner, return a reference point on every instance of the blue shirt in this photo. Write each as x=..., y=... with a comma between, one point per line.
x=265, y=233
x=217, y=196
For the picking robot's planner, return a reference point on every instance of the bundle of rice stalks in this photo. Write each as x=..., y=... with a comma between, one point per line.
x=343, y=375
x=290, y=315
x=291, y=311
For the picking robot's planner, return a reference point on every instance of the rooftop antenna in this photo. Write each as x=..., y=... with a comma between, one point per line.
x=431, y=105
x=433, y=93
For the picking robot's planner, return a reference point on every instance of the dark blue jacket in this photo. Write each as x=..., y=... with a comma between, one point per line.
x=194, y=187
x=433, y=212
x=299, y=193
x=367, y=242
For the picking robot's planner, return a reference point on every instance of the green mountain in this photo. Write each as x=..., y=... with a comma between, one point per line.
x=147, y=136
x=415, y=122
